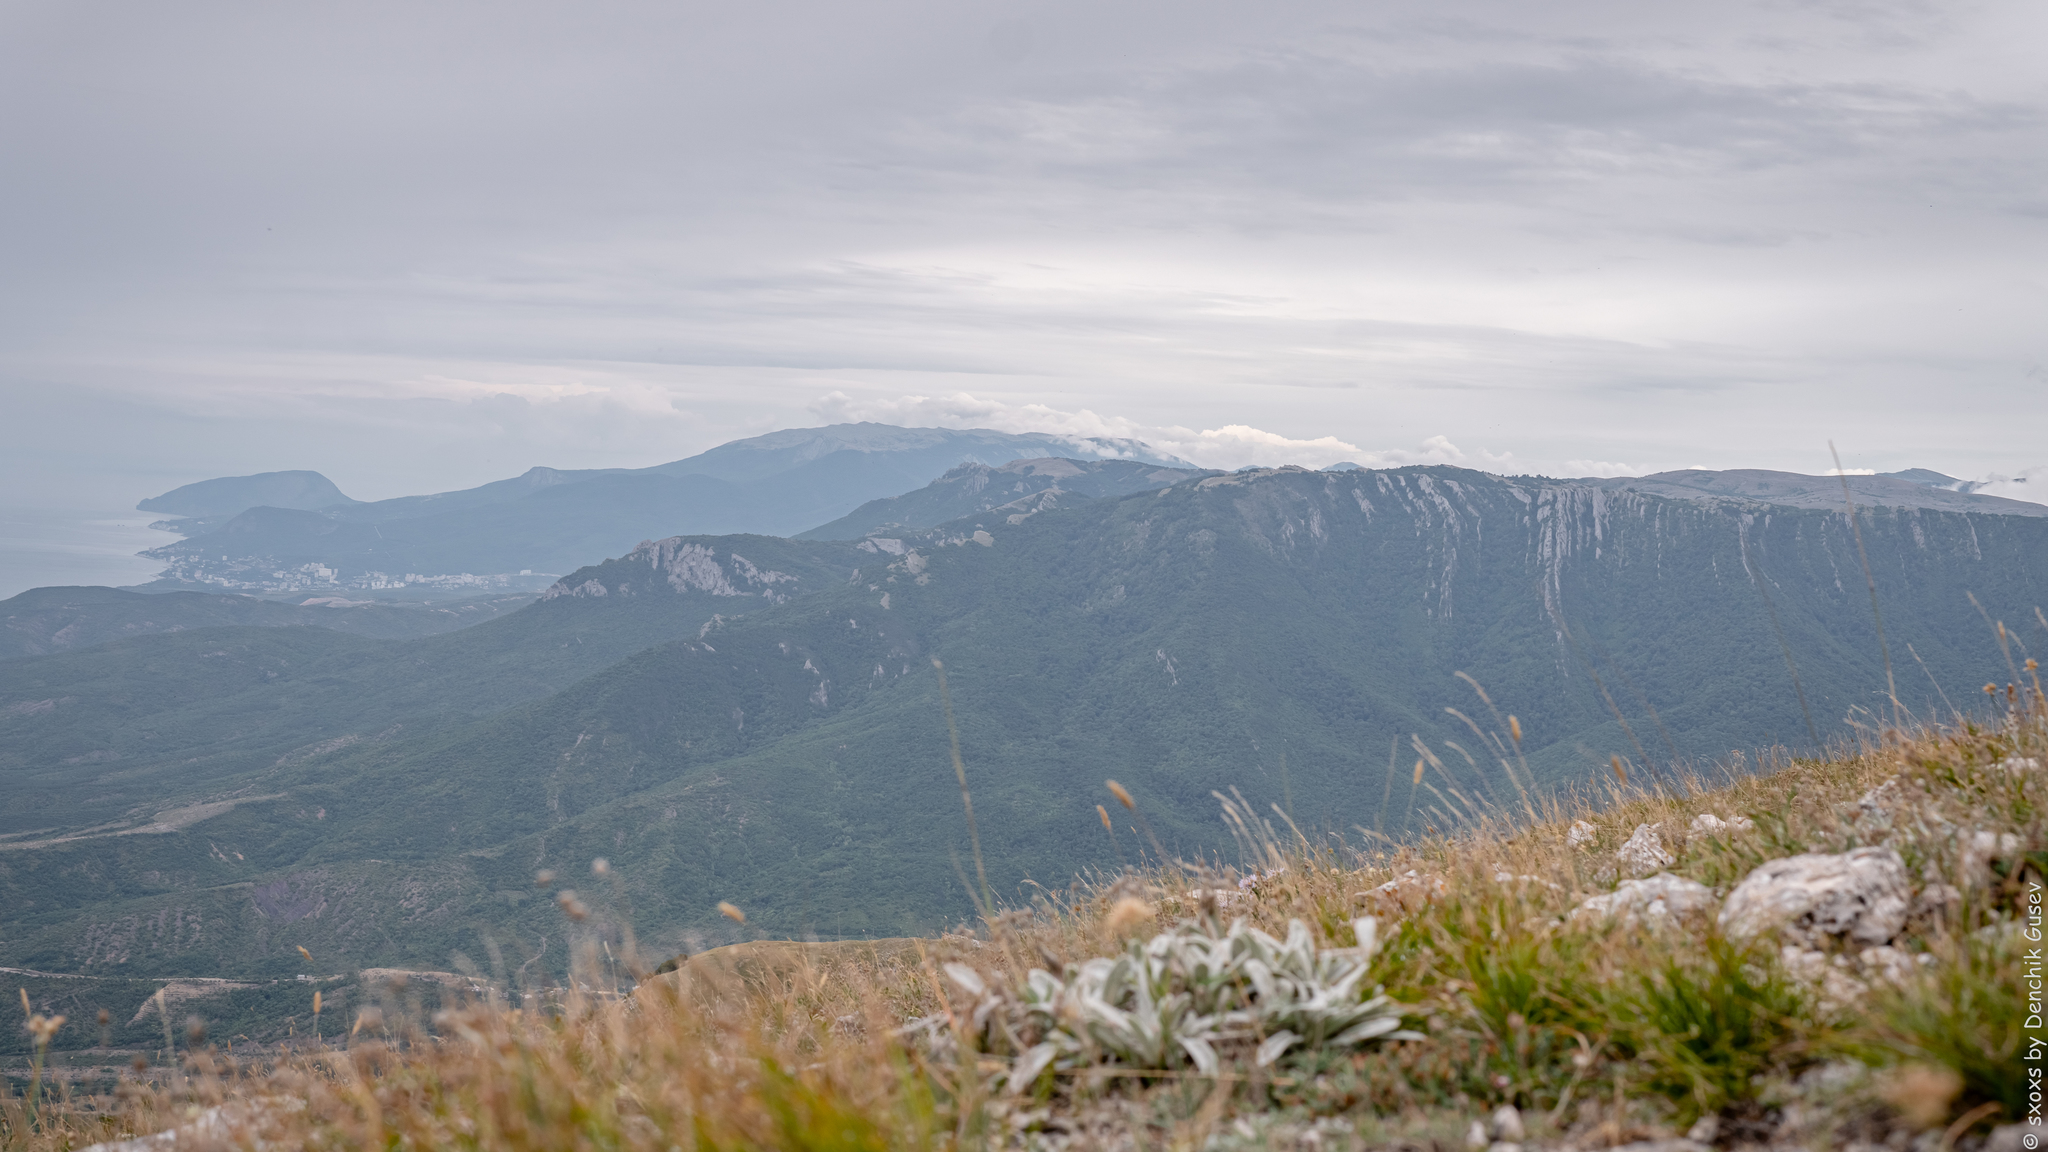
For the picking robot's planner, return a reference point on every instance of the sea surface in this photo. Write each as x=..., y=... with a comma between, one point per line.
x=87, y=546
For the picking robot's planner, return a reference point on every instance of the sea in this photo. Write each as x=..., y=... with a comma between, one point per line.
x=84, y=546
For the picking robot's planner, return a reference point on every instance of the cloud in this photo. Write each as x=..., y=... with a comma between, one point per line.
x=2030, y=484
x=1575, y=468
x=1582, y=237
x=1228, y=447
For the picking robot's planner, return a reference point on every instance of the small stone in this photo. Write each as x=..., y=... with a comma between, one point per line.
x=1982, y=849
x=1838, y=990
x=1892, y=965
x=1507, y=1124
x=1475, y=1136
x=1708, y=824
x=1862, y=895
x=1879, y=801
x=1580, y=834
x=2019, y=764
x=1644, y=852
x=1409, y=892
x=1935, y=902
x=1704, y=1129
x=1653, y=899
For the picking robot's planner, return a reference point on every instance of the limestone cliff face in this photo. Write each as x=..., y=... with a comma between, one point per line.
x=679, y=565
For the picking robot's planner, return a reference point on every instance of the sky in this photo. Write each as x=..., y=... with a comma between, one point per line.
x=420, y=247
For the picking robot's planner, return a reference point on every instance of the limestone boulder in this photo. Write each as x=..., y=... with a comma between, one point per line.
x=1644, y=852
x=1653, y=900
x=1861, y=896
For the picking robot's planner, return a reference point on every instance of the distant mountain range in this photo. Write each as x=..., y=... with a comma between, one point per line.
x=518, y=534
x=1014, y=491
x=757, y=719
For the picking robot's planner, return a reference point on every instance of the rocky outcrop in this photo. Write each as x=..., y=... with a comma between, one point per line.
x=1644, y=852
x=1655, y=900
x=1861, y=896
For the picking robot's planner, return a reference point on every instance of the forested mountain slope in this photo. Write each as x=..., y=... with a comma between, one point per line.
x=781, y=743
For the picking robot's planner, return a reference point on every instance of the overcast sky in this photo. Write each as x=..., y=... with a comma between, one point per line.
x=422, y=246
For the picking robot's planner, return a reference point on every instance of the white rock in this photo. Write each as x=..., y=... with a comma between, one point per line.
x=1936, y=900
x=1708, y=824
x=1862, y=895
x=236, y=1124
x=1475, y=1136
x=1580, y=834
x=1891, y=965
x=1644, y=853
x=1409, y=892
x=1652, y=900
x=1828, y=975
x=2019, y=764
x=1507, y=1125
x=1503, y=876
x=1980, y=849
x=1879, y=801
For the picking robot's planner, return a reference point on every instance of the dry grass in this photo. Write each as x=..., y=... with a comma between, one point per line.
x=1597, y=1033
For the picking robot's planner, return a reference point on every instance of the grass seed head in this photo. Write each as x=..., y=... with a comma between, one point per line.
x=44, y=1027
x=1122, y=797
x=1125, y=917
x=731, y=912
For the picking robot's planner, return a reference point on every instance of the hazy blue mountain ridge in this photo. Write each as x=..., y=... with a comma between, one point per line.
x=516, y=534
x=1018, y=488
x=228, y=495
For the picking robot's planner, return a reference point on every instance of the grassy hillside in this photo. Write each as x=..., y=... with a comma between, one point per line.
x=1526, y=1009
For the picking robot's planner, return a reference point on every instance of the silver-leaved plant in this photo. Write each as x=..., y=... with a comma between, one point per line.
x=1181, y=999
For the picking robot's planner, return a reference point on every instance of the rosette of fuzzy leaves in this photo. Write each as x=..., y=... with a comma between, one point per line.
x=1186, y=998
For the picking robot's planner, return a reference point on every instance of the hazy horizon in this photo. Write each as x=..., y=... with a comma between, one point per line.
x=419, y=250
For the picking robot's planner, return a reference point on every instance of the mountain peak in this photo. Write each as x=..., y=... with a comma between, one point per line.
x=227, y=495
